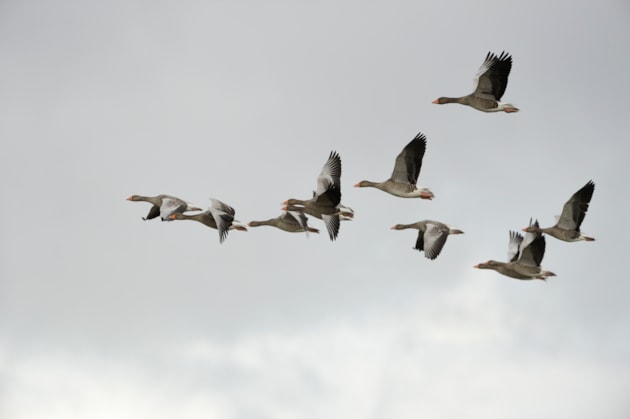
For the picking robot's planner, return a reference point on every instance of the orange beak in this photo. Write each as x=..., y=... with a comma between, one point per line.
x=436, y=102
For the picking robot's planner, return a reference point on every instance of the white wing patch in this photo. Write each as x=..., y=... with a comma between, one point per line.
x=514, y=246
x=171, y=206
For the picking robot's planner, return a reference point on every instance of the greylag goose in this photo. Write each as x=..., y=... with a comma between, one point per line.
x=431, y=236
x=524, y=255
x=291, y=221
x=326, y=198
x=219, y=216
x=567, y=227
x=403, y=180
x=490, y=84
x=164, y=206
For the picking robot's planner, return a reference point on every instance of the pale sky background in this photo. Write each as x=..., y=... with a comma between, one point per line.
x=103, y=315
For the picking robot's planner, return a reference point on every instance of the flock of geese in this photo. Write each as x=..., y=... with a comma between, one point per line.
x=525, y=253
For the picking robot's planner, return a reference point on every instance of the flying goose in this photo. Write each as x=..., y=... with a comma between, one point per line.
x=164, y=206
x=524, y=255
x=403, y=180
x=567, y=227
x=219, y=216
x=431, y=236
x=326, y=198
x=490, y=84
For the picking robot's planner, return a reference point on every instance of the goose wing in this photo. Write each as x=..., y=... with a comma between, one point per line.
x=575, y=208
x=420, y=241
x=223, y=216
x=532, y=248
x=330, y=174
x=222, y=206
x=434, y=239
x=332, y=225
x=492, y=78
x=328, y=192
x=409, y=161
x=514, y=246
x=153, y=212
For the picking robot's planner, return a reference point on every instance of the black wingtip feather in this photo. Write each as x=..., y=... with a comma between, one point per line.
x=420, y=136
x=503, y=57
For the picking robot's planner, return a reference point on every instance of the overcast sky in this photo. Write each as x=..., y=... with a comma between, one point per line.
x=103, y=315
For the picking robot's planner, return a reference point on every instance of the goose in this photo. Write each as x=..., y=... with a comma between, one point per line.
x=432, y=236
x=290, y=221
x=323, y=204
x=524, y=255
x=490, y=84
x=567, y=227
x=219, y=216
x=402, y=182
x=164, y=206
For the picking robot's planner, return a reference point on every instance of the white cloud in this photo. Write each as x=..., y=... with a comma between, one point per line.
x=404, y=365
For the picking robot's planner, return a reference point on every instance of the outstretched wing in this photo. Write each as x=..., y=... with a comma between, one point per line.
x=409, y=161
x=514, y=246
x=575, y=208
x=328, y=192
x=332, y=225
x=330, y=174
x=492, y=78
x=434, y=239
x=532, y=248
